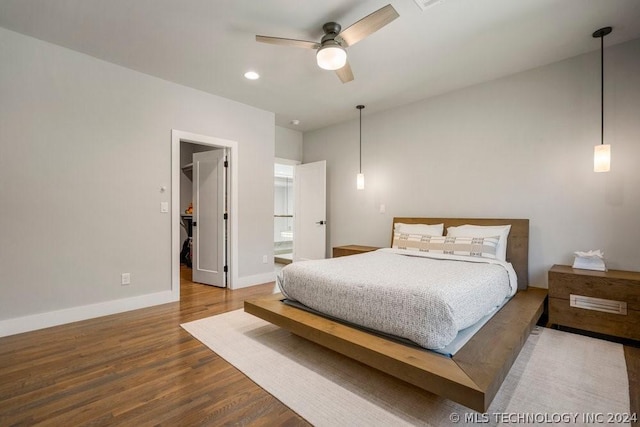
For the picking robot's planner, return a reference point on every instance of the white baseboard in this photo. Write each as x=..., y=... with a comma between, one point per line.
x=257, y=279
x=54, y=318
x=34, y=322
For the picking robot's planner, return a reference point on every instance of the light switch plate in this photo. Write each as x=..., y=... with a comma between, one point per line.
x=164, y=207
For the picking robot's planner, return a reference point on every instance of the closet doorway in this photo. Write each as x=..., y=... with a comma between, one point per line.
x=227, y=201
x=203, y=203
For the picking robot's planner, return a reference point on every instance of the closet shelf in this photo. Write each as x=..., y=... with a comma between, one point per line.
x=188, y=170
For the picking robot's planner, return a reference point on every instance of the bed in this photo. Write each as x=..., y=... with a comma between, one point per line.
x=474, y=374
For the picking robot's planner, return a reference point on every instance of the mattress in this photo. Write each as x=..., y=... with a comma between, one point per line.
x=422, y=297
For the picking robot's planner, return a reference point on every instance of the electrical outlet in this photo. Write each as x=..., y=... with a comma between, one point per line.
x=125, y=279
x=264, y=259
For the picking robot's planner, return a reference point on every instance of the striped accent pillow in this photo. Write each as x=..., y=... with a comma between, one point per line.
x=484, y=247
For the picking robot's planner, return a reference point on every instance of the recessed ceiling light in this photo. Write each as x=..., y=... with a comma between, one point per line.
x=295, y=122
x=252, y=75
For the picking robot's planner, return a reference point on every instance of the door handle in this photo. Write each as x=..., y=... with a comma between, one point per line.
x=321, y=222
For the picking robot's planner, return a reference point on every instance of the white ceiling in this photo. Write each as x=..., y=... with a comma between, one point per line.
x=209, y=44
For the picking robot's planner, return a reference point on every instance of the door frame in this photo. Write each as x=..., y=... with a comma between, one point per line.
x=178, y=136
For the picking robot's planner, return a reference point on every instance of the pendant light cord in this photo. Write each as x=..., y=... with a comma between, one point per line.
x=601, y=33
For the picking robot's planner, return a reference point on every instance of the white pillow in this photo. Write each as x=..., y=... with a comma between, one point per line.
x=469, y=230
x=424, y=229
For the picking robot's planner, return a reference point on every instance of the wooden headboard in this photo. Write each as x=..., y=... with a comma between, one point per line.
x=517, y=243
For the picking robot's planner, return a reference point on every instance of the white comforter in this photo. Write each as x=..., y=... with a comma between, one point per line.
x=418, y=296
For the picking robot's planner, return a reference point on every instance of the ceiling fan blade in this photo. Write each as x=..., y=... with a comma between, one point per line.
x=368, y=25
x=345, y=74
x=287, y=42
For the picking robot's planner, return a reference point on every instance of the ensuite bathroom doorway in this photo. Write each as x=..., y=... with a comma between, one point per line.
x=283, y=213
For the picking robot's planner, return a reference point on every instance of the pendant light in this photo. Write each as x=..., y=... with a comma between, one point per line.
x=602, y=152
x=360, y=176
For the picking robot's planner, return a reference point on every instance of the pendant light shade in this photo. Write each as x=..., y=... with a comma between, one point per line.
x=360, y=176
x=602, y=158
x=602, y=152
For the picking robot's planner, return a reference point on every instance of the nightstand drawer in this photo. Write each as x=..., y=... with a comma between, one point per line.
x=605, y=285
x=620, y=325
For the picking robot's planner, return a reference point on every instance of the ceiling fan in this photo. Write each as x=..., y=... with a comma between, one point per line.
x=331, y=54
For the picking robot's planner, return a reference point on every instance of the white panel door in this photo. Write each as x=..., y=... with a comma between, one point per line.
x=310, y=213
x=209, y=184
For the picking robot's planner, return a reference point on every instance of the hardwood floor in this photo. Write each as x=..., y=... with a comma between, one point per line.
x=136, y=368
x=141, y=368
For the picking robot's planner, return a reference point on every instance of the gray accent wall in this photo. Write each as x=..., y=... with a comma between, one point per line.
x=85, y=146
x=517, y=147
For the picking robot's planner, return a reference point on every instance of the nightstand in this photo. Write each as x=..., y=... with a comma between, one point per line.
x=606, y=302
x=352, y=250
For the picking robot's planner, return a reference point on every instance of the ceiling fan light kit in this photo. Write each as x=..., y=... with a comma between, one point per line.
x=331, y=56
x=331, y=51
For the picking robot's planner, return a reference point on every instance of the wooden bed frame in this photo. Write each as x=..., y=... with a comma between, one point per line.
x=473, y=376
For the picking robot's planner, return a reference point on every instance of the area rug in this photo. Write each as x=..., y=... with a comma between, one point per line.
x=558, y=378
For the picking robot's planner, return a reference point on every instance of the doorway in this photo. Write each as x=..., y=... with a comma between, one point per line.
x=299, y=211
x=203, y=200
x=231, y=200
x=283, y=203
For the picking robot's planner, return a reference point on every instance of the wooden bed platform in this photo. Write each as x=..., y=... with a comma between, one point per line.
x=472, y=377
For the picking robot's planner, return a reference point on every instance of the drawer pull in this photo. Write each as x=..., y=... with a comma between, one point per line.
x=598, y=304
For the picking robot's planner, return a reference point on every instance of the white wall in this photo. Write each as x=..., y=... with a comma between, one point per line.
x=517, y=147
x=85, y=146
x=288, y=144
